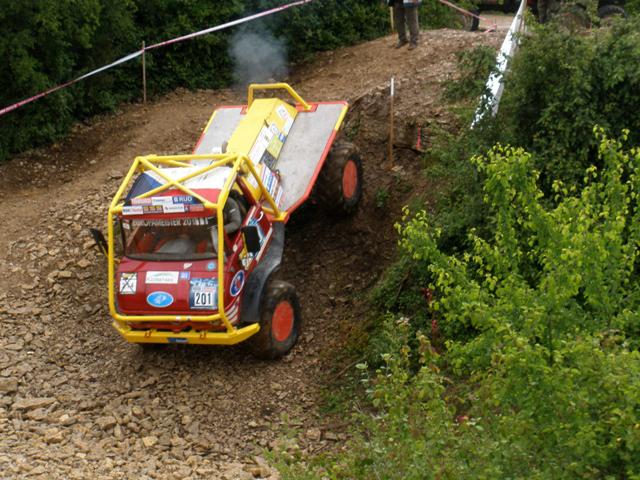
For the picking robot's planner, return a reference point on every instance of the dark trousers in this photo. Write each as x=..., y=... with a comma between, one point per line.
x=406, y=16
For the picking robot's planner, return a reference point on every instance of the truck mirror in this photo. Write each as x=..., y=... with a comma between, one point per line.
x=98, y=237
x=251, y=238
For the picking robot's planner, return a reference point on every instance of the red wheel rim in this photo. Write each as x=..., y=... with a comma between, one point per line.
x=350, y=179
x=282, y=322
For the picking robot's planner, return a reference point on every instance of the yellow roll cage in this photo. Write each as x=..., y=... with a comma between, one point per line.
x=239, y=164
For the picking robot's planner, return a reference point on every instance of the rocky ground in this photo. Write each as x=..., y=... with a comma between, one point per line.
x=77, y=401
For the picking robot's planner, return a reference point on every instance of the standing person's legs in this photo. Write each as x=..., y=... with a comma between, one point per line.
x=398, y=19
x=414, y=26
x=543, y=11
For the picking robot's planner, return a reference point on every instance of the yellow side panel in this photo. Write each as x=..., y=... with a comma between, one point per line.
x=261, y=134
x=257, y=130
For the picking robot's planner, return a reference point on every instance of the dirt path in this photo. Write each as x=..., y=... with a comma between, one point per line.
x=76, y=401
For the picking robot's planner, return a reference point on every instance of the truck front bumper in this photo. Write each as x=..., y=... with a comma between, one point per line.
x=230, y=337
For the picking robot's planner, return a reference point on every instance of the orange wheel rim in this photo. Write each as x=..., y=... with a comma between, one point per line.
x=282, y=322
x=350, y=179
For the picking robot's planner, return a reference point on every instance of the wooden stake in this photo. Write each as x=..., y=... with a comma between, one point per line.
x=391, y=128
x=391, y=18
x=144, y=79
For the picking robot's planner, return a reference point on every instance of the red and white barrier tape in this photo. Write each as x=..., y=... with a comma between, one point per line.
x=139, y=52
x=35, y=97
x=230, y=24
x=495, y=25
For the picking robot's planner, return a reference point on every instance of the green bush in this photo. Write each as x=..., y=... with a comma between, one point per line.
x=561, y=84
x=632, y=7
x=550, y=295
x=201, y=62
x=549, y=385
x=537, y=305
x=48, y=44
x=582, y=253
x=473, y=69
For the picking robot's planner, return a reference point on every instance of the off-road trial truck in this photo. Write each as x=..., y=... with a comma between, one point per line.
x=202, y=235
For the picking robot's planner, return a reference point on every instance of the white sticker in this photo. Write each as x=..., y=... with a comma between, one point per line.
x=141, y=201
x=162, y=201
x=256, y=152
x=265, y=136
x=128, y=283
x=164, y=278
x=287, y=126
x=282, y=112
x=179, y=208
x=132, y=210
x=269, y=180
x=253, y=182
x=279, y=197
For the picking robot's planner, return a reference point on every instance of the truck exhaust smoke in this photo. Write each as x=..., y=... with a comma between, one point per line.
x=258, y=56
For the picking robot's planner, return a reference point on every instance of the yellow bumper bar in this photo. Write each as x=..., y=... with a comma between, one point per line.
x=232, y=337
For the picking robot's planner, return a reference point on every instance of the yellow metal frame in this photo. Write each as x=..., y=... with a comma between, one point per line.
x=277, y=86
x=240, y=164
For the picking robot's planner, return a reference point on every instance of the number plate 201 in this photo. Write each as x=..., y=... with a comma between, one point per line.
x=203, y=293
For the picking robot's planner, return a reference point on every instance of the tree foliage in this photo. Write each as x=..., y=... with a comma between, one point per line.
x=548, y=386
x=560, y=85
x=47, y=44
x=536, y=307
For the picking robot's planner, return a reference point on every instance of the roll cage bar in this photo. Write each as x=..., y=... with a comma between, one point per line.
x=239, y=164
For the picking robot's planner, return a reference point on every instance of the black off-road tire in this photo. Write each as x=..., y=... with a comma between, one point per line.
x=608, y=13
x=280, y=322
x=467, y=22
x=572, y=17
x=340, y=180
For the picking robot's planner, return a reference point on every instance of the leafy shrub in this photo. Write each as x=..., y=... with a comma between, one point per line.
x=550, y=295
x=559, y=85
x=632, y=7
x=382, y=197
x=45, y=44
x=592, y=234
x=474, y=67
x=549, y=386
x=562, y=84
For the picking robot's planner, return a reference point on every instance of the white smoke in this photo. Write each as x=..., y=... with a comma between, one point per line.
x=258, y=56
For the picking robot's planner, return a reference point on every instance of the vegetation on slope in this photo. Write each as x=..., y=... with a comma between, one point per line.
x=526, y=363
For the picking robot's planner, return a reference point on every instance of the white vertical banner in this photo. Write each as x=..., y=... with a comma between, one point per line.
x=495, y=84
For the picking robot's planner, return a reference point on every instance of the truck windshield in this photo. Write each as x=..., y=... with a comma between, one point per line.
x=174, y=239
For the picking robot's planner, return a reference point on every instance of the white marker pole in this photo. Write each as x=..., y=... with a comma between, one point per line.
x=391, y=127
x=144, y=79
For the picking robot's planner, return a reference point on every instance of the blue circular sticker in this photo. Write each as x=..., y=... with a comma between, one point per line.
x=237, y=283
x=211, y=266
x=159, y=299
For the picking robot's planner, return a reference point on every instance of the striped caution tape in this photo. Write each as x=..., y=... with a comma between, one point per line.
x=161, y=44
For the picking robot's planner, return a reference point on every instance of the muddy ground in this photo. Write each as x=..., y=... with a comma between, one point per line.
x=77, y=401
